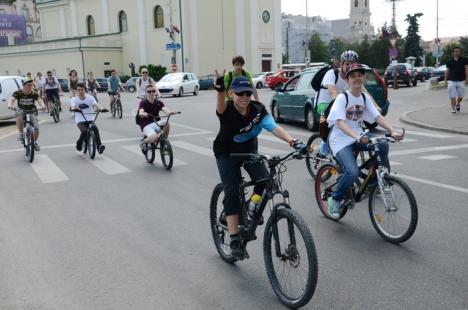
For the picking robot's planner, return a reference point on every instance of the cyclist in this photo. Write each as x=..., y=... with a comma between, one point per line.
x=72, y=82
x=113, y=86
x=52, y=89
x=40, y=82
x=141, y=84
x=92, y=85
x=238, y=62
x=241, y=121
x=148, y=109
x=81, y=122
x=346, y=115
x=26, y=98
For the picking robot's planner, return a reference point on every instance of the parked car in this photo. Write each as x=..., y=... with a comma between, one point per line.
x=423, y=73
x=279, y=78
x=439, y=73
x=130, y=85
x=405, y=74
x=259, y=80
x=177, y=84
x=8, y=85
x=102, y=84
x=63, y=84
x=294, y=101
x=206, y=82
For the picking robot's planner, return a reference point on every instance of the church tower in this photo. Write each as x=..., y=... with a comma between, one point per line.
x=359, y=19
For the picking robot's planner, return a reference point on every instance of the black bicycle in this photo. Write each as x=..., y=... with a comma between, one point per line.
x=116, y=105
x=54, y=108
x=90, y=143
x=288, y=247
x=392, y=205
x=162, y=144
x=28, y=140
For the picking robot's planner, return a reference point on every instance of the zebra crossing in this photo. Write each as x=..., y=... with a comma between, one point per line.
x=188, y=151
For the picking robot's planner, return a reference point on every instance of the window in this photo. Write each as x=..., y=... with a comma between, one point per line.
x=158, y=17
x=25, y=12
x=365, y=3
x=355, y=3
x=90, y=25
x=29, y=32
x=304, y=82
x=123, y=27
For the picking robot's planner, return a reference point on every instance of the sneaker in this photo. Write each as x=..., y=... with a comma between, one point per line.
x=237, y=249
x=20, y=137
x=79, y=146
x=144, y=147
x=458, y=107
x=37, y=147
x=454, y=111
x=333, y=208
x=101, y=149
x=320, y=155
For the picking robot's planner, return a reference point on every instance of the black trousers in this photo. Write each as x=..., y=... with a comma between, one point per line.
x=230, y=173
x=83, y=127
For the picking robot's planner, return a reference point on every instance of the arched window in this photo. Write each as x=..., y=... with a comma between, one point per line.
x=355, y=3
x=123, y=27
x=39, y=33
x=29, y=32
x=158, y=17
x=90, y=25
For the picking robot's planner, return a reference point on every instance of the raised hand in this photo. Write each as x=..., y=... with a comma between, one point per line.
x=218, y=83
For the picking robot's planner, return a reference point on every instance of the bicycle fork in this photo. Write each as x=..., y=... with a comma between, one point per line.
x=387, y=193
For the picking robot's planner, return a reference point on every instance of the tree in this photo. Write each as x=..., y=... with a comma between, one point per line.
x=447, y=52
x=364, y=52
x=336, y=47
x=411, y=43
x=318, y=49
x=379, y=50
x=464, y=46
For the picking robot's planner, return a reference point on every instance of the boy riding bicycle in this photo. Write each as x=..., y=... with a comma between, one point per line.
x=348, y=111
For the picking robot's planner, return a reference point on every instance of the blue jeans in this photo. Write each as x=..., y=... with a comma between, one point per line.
x=350, y=168
x=324, y=148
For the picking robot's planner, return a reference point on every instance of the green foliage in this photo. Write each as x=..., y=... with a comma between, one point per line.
x=447, y=52
x=318, y=50
x=411, y=43
x=337, y=46
x=124, y=78
x=156, y=72
x=430, y=60
x=463, y=43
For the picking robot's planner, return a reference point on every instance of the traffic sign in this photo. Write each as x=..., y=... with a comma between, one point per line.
x=174, y=68
x=173, y=46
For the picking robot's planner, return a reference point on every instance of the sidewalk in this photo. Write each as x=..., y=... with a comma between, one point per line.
x=440, y=118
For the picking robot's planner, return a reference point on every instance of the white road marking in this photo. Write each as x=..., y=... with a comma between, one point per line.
x=191, y=128
x=135, y=149
x=427, y=134
x=47, y=170
x=437, y=157
x=429, y=182
x=429, y=149
x=193, y=148
x=14, y=130
x=107, y=165
x=395, y=163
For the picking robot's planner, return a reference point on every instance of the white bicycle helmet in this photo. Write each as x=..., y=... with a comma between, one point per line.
x=350, y=56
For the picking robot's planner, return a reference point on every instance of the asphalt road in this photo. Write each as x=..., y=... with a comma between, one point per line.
x=118, y=233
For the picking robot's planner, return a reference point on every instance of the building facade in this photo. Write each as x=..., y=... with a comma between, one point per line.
x=359, y=20
x=100, y=35
x=27, y=9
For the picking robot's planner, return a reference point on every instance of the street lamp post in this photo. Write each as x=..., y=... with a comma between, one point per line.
x=437, y=34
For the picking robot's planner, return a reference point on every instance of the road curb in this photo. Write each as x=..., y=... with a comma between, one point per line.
x=407, y=120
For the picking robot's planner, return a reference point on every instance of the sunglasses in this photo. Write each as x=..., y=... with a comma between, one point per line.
x=151, y=91
x=49, y=74
x=144, y=72
x=244, y=93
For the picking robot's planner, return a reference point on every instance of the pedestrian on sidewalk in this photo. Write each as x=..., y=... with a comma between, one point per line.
x=456, y=77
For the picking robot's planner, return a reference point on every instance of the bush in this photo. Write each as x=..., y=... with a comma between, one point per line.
x=156, y=72
x=124, y=78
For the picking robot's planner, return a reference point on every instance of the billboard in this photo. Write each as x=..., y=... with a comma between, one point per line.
x=13, y=26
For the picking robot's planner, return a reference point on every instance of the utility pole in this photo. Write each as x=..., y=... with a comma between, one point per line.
x=306, y=58
x=287, y=40
x=174, y=54
x=393, y=2
x=437, y=35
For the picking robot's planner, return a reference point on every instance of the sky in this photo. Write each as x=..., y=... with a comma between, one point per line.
x=453, y=17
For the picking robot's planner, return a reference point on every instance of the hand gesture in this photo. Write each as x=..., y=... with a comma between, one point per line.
x=218, y=83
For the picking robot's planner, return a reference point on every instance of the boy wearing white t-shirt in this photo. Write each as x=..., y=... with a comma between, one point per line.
x=345, y=118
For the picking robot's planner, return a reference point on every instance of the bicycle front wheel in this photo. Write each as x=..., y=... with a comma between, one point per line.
x=393, y=213
x=119, y=108
x=112, y=108
x=290, y=257
x=91, y=144
x=218, y=225
x=150, y=153
x=29, y=144
x=167, y=156
x=55, y=112
x=312, y=163
x=325, y=184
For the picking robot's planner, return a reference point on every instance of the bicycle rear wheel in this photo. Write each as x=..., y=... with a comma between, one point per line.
x=393, y=213
x=167, y=156
x=219, y=230
x=150, y=153
x=290, y=257
x=119, y=108
x=29, y=144
x=91, y=144
x=325, y=184
x=312, y=163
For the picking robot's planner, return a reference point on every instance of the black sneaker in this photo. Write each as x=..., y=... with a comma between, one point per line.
x=458, y=107
x=101, y=149
x=79, y=146
x=320, y=155
x=237, y=249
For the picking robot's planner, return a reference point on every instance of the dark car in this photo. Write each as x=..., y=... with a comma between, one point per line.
x=405, y=74
x=63, y=84
x=206, y=82
x=102, y=84
x=423, y=73
x=439, y=73
x=293, y=102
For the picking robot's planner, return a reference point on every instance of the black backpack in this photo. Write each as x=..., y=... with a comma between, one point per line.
x=137, y=116
x=244, y=73
x=316, y=82
x=324, y=130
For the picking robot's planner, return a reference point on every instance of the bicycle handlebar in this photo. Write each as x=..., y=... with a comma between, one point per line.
x=96, y=113
x=300, y=149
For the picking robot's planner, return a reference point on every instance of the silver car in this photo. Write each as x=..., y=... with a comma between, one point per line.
x=178, y=83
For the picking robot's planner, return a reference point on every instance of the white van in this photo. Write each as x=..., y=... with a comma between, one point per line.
x=8, y=85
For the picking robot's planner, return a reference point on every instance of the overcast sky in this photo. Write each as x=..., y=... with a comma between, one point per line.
x=453, y=14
